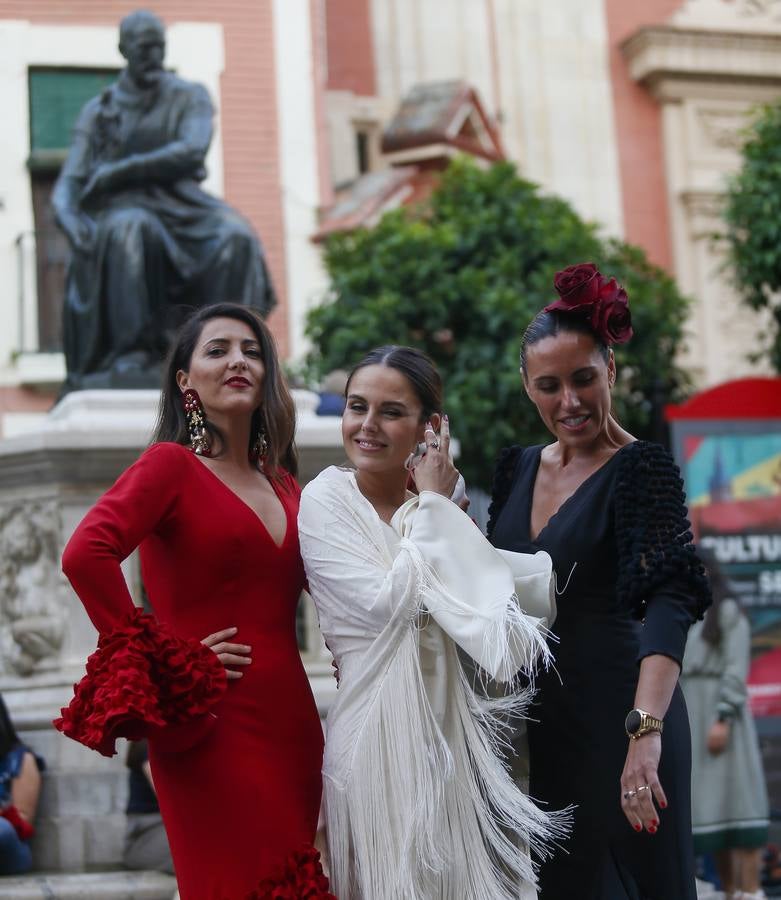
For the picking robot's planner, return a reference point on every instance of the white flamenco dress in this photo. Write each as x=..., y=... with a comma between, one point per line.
x=418, y=801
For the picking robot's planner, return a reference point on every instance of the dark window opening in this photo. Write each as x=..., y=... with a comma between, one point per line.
x=362, y=148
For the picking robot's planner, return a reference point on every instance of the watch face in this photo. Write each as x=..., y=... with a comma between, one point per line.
x=633, y=721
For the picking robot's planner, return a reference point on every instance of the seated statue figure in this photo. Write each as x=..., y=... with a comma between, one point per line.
x=147, y=242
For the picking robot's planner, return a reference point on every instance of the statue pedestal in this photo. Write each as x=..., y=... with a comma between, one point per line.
x=48, y=480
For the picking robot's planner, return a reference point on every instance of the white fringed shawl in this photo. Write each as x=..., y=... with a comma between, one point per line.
x=418, y=803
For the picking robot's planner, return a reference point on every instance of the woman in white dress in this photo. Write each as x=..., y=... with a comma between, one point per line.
x=419, y=804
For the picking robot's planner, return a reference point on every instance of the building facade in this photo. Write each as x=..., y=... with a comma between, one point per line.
x=631, y=111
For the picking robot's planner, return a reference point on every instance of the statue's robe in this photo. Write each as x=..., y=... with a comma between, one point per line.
x=161, y=243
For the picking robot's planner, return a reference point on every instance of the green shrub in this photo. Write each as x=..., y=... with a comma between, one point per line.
x=461, y=276
x=753, y=217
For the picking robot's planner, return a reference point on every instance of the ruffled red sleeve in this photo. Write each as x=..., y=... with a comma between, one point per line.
x=300, y=877
x=144, y=681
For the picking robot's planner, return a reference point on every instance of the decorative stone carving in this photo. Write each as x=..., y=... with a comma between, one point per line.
x=704, y=206
x=723, y=129
x=729, y=15
x=768, y=8
x=31, y=587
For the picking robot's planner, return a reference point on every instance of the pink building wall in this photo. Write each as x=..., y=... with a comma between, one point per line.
x=639, y=134
x=350, y=46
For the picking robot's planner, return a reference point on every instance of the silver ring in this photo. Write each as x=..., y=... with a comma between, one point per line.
x=435, y=442
x=643, y=787
x=629, y=794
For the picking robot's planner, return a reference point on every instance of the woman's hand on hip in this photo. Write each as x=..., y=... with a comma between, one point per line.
x=435, y=471
x=640, y=785
x=228, y=654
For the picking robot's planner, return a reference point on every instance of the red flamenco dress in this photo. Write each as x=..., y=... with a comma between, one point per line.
x=236, y=764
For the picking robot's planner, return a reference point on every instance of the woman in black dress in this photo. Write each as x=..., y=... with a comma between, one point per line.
x=610, y=511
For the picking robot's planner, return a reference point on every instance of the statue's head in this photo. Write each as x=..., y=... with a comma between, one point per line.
x=142, y=43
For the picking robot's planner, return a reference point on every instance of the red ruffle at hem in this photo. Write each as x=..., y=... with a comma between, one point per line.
x=301, y=877
x=142, y=680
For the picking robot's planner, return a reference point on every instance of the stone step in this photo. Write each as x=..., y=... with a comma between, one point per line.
x=88, y=886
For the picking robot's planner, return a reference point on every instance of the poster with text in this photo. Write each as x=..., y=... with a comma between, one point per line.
x=733, y=484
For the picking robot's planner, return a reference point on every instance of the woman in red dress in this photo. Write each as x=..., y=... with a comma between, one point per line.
x=212, y=506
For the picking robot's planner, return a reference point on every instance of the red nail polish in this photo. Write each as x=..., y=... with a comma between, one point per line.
x=651, y=829
x=654, y=824
x=663, y=804
x=638, y=827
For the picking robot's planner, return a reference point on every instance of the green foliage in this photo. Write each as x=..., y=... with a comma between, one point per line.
x=753, y=216
x=461, y=277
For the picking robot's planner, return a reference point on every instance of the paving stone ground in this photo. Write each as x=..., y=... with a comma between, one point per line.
x=88, y=886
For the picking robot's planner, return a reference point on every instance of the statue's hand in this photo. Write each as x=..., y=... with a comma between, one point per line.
x=79, y=230
x=100, y=182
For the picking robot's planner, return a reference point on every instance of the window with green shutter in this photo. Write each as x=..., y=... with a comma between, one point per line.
x=56, y=98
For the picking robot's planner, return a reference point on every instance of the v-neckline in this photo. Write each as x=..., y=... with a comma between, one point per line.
x=246, y=505
x=578, y=489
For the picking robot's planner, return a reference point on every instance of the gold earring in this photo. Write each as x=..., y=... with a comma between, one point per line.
x=260, y=447
x=196, y=422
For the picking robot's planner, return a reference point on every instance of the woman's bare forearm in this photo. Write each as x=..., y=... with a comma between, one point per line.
x=658, y=677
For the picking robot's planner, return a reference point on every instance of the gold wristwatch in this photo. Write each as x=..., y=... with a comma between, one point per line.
x=639, y=722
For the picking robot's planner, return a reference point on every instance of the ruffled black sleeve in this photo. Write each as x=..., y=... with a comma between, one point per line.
x=659, y=575
x=506, y=463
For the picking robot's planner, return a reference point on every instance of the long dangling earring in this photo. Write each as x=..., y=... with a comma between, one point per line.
x=196, y=422
x=260, y=447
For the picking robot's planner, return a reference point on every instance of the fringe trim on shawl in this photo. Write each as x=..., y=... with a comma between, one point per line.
x=518, y=642
x=428, y=815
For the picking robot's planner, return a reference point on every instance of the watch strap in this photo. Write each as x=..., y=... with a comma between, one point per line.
x=648, y=724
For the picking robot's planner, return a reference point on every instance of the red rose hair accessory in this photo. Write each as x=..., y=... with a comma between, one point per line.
x=601, y=301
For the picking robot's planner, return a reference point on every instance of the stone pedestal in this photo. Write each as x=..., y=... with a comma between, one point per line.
x=48, y=480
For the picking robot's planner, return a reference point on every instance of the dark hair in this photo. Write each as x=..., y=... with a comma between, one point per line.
x=276, y=413
x=417, y=368
x=549, y=324
x=8, y=736
x=720, y=590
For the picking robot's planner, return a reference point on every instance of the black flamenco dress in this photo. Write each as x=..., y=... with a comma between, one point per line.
x=629, y=585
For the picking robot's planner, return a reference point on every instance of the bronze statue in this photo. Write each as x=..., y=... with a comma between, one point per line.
x=147, y=242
